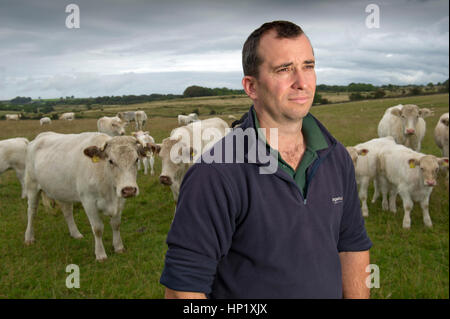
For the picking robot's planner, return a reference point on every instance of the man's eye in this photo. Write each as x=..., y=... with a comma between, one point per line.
x=310, y=66
x=283, y=70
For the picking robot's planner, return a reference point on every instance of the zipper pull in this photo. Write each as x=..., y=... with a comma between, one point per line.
x=304, y=201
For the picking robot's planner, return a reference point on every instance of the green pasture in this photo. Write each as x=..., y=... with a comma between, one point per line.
x=413, y=263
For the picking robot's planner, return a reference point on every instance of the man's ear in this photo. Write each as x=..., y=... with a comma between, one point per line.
x=249, y=84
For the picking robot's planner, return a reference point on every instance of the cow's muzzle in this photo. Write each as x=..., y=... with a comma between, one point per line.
x=129, y=192
x=166, y=180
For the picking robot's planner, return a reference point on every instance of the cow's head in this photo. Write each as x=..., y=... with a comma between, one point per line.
x=429, y=166
x=409, y=116
x=119, y=155
x=354, y=153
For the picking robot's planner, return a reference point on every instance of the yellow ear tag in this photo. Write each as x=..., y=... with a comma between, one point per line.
x=446, y=163
x=95, y=159
x=412, y=164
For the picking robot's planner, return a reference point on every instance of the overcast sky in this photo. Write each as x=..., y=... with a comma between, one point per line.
x=144, y=47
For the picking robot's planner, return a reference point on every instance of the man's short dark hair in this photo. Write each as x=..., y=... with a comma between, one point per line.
x=250, y=59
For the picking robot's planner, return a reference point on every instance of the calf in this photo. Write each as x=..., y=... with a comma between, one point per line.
x=410, y=174
x=92, y=168
x=146, y=141
x=13, y=152
x=113, y=126
x=366, y=167
x=405, y=123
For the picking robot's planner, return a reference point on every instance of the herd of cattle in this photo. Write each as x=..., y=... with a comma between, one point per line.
x=99, y=169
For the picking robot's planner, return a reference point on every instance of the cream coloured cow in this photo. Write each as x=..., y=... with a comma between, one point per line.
x=140, y=119
x=69, y=116
x=441, y=134
x=113, y=126
x=45, y=120
x=92, y=168
x=13, y=153
x=410, y=174
x=365, y=156
x=147, y=142
x=13, y=117
x=405, y=123
x=184, y=146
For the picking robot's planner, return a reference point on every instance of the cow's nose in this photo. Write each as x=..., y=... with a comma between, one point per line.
x=122, y=133
x=165, y=180
x=431, y=182
x=410, y=131
x=129, y=191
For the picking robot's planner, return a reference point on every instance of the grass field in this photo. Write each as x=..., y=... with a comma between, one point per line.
x=413, y=263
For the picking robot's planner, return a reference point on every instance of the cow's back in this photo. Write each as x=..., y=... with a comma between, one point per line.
x=57, y=163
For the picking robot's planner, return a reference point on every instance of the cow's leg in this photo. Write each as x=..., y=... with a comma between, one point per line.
x=363, y=195
x=145, y=160
x=67, y=209
x=393, y=198
x=33, y=201
x=425, y=212
x=139, y=164
x=152, y=163
x=384, y=186
x=376, y=192
x=117, y=240
x=97, y=228
x=20, y=173
x=408, y=205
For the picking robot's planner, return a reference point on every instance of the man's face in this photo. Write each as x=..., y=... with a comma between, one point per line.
x=286, y=83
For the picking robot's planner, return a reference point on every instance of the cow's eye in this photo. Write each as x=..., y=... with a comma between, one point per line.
x=137, y=159
x=111, y=162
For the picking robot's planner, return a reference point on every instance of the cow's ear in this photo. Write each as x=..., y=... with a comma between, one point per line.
x=141, y=151
x=396, y=112
x=443, y=162
x=445, y=121
x=413, y=162
x=155, y=148
x=363, y=151
x=423, y=113
x=94, y=153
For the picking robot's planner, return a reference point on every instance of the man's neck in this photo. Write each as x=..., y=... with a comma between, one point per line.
x=291, y=143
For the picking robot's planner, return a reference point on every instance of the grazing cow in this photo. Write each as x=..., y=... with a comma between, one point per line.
x=113, y=126
x=186, y=119
x=147, y=142
x=441, y=134
x=13, y=117
x=13, y=152
x=70, y=116
x=92, y=168
x=410, y=174
x=175, y=163
x=406, y=124
x=45, y=120
x=140, y=119
x=128, y=116
x=366, y=167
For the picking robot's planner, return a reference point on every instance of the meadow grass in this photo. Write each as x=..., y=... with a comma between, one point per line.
x=413, y=263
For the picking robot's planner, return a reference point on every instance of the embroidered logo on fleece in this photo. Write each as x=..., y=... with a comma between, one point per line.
x=337, y=200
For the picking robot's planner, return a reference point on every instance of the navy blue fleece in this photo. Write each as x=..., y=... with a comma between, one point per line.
x=240, y=234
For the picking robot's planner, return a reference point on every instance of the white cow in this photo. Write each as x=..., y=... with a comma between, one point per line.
x=69, y=116
x=175, y=163
x=13, y=117
x=13, y=152
x=405, y=123
x=186, y=119
x=113, y=126
x=140, y=119
x=147, y=142
x=128, y=116
x=410, y=174
x=45, y=120
x=366, y=167
x=92, y=168
x=441, y=134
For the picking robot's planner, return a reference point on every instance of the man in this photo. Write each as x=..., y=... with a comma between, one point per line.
x=297, y=233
